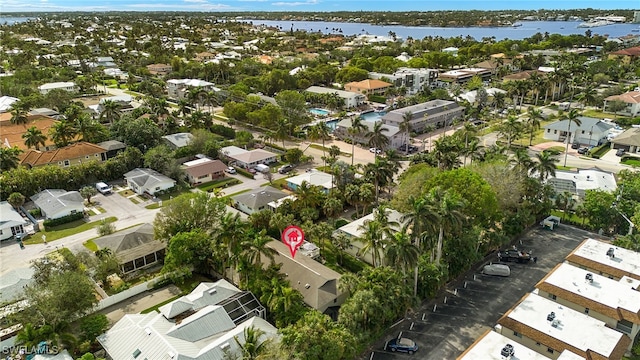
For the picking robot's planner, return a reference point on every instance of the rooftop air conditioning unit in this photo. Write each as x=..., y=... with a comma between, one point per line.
x=551, y=316
x=610, y=253
x=507, y=351
x=589, y=277
x=555, y=323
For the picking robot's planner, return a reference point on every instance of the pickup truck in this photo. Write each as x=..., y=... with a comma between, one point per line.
x=514, y=255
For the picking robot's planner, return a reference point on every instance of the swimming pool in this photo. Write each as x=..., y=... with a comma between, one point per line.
x=321, y=112
x=331, y=124
x=372, y=116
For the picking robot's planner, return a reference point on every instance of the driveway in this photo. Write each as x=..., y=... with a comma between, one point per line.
x=444, y=327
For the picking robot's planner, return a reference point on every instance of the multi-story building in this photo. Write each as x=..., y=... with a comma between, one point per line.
x=368, y=87
x=178, y=88
x=66, y=86
x=462, y=76
x=436, y=113
x=414, y=80
x=605, y=259
x=351, y=99
x=66, y=156
x=159, y=69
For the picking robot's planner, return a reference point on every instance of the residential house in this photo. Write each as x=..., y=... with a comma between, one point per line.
x=607, y=260
x=206, y=324
x=626, y=55
x=11, y=222
x=413, y=80
x=135, y=248
x=495, y=64
x=471, y=96
x=462, y=76
x=104, y=61
x=57, y=203
x=124, y=102
x=6, y=102
x=11, y=134
x=159, y=69
x=616, y=303
x=112, y=147
x=76, y=153
x=203, y=170
x=178, y=88
x=257, y=199
x=312, y=178
x=550, y=328
x=451, y=50
x=204, y=56
x=248, y=159
x=318, y=284
x=590, y=131
x=368, y=87
x=47, y=112
x=521, y=76
x=355, y=229
x=489, y=347
x=629, y=140
x=630, y=98
x=147, y=181
x=578, y=182
x=436, y=113
x=351, y=99
x=396, y=138
x=13, y=283
x=178, y=140
x=66, y=86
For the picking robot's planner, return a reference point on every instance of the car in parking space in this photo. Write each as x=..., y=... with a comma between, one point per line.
x=583, y=150
x=575, y=146
x=375, y=151
x=103, y=188
x=408, y=148
x=285, y=169
x=496, y=270
x=620, y=152
x=514, y=255
x=231, y=170
x=401, y=344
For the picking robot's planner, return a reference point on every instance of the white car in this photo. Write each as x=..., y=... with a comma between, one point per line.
x=231, y=170
x=103, y=188
x=375, y=151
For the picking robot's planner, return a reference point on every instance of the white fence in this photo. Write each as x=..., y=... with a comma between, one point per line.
x=126, y=294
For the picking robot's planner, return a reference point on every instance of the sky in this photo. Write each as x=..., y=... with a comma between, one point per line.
x=7, y=6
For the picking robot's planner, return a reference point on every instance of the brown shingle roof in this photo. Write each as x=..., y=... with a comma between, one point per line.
x=12, y=133
x=205, y=168
x=73, y=151
x=633, y=51
x=371, y=84
x=630, y=97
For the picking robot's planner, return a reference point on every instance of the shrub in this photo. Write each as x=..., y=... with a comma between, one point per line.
x=63, y=220
x=377, y=98
x=244, y=173
x=35, y=213
x=274, y=146
x=106, y=228
x=598, y=151
x=223, y=130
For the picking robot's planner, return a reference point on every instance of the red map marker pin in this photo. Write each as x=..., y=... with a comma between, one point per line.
x=293, y=236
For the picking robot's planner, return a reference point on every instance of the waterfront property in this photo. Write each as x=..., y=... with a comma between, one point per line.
x=135, y=248
x=436, y=113
x=351, y=99
x=57, y=203
x=578, y=182
x=607, y=260
x=590, y=131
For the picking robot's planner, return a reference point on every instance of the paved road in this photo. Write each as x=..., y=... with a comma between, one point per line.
x=444, y=330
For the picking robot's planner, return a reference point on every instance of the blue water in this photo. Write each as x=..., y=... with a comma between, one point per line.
x=331, y=124
x=321, y=112
x=527, y=29
x=12, y=20
x=372, y=116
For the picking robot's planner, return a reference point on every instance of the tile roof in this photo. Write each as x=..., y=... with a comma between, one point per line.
x=12, y=133
x=630, y=97
x=74, y=151
x=371, y=84
x=633, y=51
x=201, y=167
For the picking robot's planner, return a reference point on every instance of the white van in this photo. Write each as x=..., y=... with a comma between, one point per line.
x=103, y=188
x=262, y=168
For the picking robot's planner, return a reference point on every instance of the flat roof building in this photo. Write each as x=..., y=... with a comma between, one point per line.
x=437, y=113
x=594, y=255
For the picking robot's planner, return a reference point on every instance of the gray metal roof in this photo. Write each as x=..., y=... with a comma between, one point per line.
x=13, y=282
x=110, y=145
x=259, y=197
x=132, y=243
x=586, y=124
x=179, y=139
x=420, y=110
x=146, y=178
x=208, y=321
x=51, y=201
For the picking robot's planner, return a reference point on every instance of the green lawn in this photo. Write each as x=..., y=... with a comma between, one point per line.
x=65, y=230
x=89, y=244
x=597, y=114
x=279, y=184
x=628, y=160
x=134, y=200
x=224, y=182
x=573, y=217
x=126, y=193
x=560, y=167
x=156, y=307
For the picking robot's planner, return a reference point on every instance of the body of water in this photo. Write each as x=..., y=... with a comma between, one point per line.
x=372, y=116
x=12, y=20
x=320, y=112
x=527, y=29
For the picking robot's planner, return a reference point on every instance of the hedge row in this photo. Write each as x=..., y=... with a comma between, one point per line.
x=244, y=173
x=62, y=220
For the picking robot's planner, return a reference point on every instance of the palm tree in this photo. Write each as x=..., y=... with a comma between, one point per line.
x=19, y=112
x=183, y=107
x=373, y=240
x=511, y=128
x=588, y=95
x=377, y=138
x=379, y=172
x=420, y=219
x=545, y=165
x=356, y=128
x=533, y=122
x=110, y=111
x=282, y=131
x=320, y=131
x=62, y=132
x=309, y=196
x=231, y=232
x=400, y=252
x=405, y=126
x=572, y=117
x=448, y=211
x=88, y=129
x=256, y=246
x=521, y=161
x=9, y=157
x=34, y=137
x=252, y=347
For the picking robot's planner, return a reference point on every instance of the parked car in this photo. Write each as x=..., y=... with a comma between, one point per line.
x=408, y=148
x=402, y=344
x=575, y=146
x=103, y=188
x=583, y=150
x=496, y=270
x=231, y=170
x=620, y=152
x=375, y=151
x=514, y=255
x=285, y=169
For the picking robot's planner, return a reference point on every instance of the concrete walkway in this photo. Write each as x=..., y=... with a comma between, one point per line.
x=138, y=303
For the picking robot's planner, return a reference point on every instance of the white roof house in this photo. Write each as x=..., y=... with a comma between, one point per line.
x=316, y=178
x=147, y=181
x=201, y=325
x=591, y=131
x=12, y=284
x=594, y=255
x=537, y=320
x=178, y=140
x=56, y=203
x=248, y=158
x=257, y=200
x=6, y=102
x=489, y=347
x=351, y=99
x=11, y=222
x=66, y=86
x=578, y=182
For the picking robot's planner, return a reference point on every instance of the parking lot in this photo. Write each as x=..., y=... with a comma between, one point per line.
x=444, y=327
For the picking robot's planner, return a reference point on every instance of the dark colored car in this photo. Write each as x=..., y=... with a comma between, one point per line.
x=620, y=152
x=583, y=150
x=575, y=146
x=402, y=345
x=514, y=255
x=285, y=169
